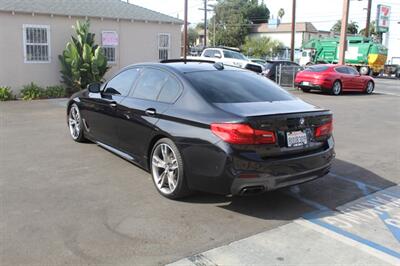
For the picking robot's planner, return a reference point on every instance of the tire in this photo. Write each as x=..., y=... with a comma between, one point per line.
x=370, y=87
x=337, y=88
x=305, y=90
x=75, y=124
x=167, y=170
x=364, y=70
x=375, y=74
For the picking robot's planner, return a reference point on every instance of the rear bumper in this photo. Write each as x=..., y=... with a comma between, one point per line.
x=315, y=85
x=284, y=172
x=224, y=171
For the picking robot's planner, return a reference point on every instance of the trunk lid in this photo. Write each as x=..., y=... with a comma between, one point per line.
x=283, y=118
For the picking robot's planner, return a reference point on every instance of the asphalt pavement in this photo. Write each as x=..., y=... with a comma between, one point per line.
x=78, y=204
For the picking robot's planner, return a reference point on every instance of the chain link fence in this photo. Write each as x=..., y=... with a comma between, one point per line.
x=285, y=75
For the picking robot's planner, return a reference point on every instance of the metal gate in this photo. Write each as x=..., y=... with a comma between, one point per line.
x=285, y=75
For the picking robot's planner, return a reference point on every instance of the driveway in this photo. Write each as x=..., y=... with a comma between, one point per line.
x=69, y=203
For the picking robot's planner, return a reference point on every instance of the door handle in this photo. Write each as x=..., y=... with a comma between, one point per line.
x=113, y=104
x=150, y=111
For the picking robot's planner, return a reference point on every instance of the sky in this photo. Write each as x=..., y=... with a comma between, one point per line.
x=322, y=13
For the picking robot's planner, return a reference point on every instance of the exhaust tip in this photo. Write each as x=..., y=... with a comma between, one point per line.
x=253, y=190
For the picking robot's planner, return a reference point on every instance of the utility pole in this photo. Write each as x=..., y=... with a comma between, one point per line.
x=205, y=23
x=206, y=9
x=368, y=18
x=185, y=30
x=343, y=32
x=293, y=30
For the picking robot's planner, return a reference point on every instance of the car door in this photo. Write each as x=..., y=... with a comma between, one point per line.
x=149, y=99
x=345, y=77
x=357, y=81
x=102, y=113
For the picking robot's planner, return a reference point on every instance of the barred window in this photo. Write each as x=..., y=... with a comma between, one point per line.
x=109, y=53
x=36, y=43
x=163, y=46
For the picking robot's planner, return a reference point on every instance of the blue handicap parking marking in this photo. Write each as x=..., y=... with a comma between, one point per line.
x=373, y=220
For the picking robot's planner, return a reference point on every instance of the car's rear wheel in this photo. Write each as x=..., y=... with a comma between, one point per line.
x=167, y=170
x=75, y=123
x=370, y=87
x=337, y=88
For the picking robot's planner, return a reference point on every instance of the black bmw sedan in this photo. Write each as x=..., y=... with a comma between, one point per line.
x=205, y=126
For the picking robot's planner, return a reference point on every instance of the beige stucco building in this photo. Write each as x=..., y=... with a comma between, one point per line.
x=35, y=32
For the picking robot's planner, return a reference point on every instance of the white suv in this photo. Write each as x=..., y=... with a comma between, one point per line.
x=231, y=58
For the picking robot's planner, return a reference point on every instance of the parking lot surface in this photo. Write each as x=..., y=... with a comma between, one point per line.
x=69, y=203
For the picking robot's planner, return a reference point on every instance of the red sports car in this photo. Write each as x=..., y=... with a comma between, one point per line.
x=333, y=78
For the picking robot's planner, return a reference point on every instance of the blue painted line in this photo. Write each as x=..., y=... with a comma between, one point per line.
x=393, y=229
x=355, y=237
x=362, y=184
x=384, y=215
x=322, y=210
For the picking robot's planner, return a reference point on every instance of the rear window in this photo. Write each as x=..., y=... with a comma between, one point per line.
x=316, y=68
x=229, y=86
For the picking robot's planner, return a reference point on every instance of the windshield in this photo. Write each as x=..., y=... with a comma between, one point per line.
x=228, y=86
x=269, y=65
x=235, y=55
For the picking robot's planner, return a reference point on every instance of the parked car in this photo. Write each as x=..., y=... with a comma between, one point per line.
x=205, y=126
x=333, y=78
x=258, y=61
x=272, y=68
x=231, y=57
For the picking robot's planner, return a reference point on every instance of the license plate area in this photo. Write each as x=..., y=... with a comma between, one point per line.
x=296, y=138
x=305, y=83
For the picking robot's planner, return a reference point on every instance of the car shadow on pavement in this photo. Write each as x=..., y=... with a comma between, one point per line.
x=346, y=93
x=340, y=186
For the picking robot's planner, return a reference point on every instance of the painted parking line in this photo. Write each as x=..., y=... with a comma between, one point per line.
x=362, y=232
x=372, y=221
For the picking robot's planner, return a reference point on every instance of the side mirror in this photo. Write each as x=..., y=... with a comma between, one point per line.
x=94, y=87
x=217, y=55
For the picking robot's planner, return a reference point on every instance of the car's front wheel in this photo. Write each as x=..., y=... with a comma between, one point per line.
x=167, y=170
x=370, y=87
x=75, y=123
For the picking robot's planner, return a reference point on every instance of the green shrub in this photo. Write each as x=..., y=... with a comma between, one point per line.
x=32, y=92
x=82, y=61
x=55, y=92
x=6, y=94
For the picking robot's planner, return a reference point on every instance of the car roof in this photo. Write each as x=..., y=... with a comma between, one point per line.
x=280, y=61
x=187, y=67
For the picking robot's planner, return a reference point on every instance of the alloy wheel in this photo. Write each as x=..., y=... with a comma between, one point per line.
x=370, y=87
x=74, y=122
x=337, y=88
x=165, y=168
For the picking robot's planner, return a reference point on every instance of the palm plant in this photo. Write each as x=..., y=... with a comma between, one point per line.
x=82, y=61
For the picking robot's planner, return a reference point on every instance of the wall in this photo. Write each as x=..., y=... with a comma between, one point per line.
x=137, y=43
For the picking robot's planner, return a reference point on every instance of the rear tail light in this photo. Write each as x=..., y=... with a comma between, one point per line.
x=324, y=130
x=242, y=134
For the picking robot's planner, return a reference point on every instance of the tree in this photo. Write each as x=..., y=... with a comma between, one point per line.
x=281, y=13
x=256, y=13
x=233, y=19
x=82, y=61
x=372, y=30
x=192, y=36
x=261, y=47
x=352, y=27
